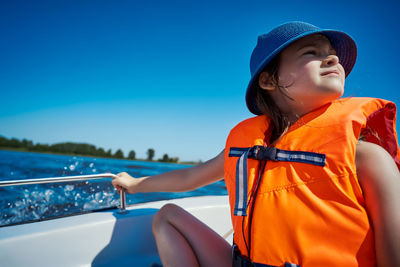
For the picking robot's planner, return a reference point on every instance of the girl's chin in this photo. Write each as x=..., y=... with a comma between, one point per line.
x=334, y=86
x=332, y=91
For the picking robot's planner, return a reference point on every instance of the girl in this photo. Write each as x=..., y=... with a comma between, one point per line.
x=312, y=180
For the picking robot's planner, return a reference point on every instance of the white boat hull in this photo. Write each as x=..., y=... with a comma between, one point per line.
x=103, y=238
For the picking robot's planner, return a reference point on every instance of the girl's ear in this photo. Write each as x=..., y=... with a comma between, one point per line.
x=264, y=81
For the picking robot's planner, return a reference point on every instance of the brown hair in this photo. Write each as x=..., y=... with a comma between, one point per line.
x=268, y=106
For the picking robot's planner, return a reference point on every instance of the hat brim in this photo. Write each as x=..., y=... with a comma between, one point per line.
x=344, y=45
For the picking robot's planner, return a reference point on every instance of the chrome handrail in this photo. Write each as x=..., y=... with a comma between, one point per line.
x=122, y=208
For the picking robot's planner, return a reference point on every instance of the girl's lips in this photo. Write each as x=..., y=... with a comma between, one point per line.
x=335, y=72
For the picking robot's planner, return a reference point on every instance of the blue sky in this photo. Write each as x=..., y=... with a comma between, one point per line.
x=168, y=75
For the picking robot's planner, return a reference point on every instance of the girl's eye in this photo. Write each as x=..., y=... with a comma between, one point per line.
x=310, y=52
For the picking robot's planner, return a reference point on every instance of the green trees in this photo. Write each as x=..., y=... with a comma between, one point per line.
x=119, y=154
x=101, y=152
x=150, y=154
x=77, y=149
x=74, y=148
x=132, y=155
x=166, y=158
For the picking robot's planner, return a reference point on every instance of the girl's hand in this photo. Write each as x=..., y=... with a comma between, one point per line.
x=126, y=182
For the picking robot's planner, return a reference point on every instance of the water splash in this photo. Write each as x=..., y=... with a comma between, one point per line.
x=37, y=202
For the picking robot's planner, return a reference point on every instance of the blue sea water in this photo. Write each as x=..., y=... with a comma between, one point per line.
x=36, y=202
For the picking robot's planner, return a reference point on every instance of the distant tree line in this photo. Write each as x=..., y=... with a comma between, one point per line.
x=165, y=158
x=77, y=149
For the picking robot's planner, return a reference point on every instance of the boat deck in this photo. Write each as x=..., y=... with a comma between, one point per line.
x=104, y=238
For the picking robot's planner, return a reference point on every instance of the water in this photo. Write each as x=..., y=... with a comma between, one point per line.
x=36, y=202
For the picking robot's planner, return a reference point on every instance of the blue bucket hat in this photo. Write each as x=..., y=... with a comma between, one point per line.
x=271, y=44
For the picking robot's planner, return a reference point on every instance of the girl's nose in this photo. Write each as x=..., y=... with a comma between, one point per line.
x=331, y=60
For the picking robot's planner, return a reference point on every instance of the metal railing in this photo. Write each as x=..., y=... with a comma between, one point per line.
x=122, y=207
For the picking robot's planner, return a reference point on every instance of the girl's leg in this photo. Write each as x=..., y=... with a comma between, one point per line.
x=183, y=240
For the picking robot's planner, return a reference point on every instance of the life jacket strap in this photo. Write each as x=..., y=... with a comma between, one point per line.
x=241, y=185
x=272, y=153
x=264, y=153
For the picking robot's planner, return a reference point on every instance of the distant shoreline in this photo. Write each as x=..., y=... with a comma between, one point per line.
x=90, y=156
x=82, y=150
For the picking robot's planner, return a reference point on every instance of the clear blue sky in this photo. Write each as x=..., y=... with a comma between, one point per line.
x=168, y=75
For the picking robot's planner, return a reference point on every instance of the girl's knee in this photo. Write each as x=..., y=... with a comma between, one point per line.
x=163, y=215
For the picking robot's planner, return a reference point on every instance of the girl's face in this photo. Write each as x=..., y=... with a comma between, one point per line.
x=311, y=73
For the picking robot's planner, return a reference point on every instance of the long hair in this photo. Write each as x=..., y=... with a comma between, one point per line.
x=267, y=105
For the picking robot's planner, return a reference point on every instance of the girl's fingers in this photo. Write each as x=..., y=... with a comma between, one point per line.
x=120, y=183
x=118, y=188
x=115, y=184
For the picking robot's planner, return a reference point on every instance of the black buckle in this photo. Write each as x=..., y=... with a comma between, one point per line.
x=238, y=260
x=264, y=153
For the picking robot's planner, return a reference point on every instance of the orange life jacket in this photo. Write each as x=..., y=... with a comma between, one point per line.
x=309, y=208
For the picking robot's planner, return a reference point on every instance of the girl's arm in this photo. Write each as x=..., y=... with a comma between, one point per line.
x=379, y=178
x=174, y=181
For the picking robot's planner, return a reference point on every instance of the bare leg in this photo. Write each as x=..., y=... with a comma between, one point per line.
x=183, y=240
